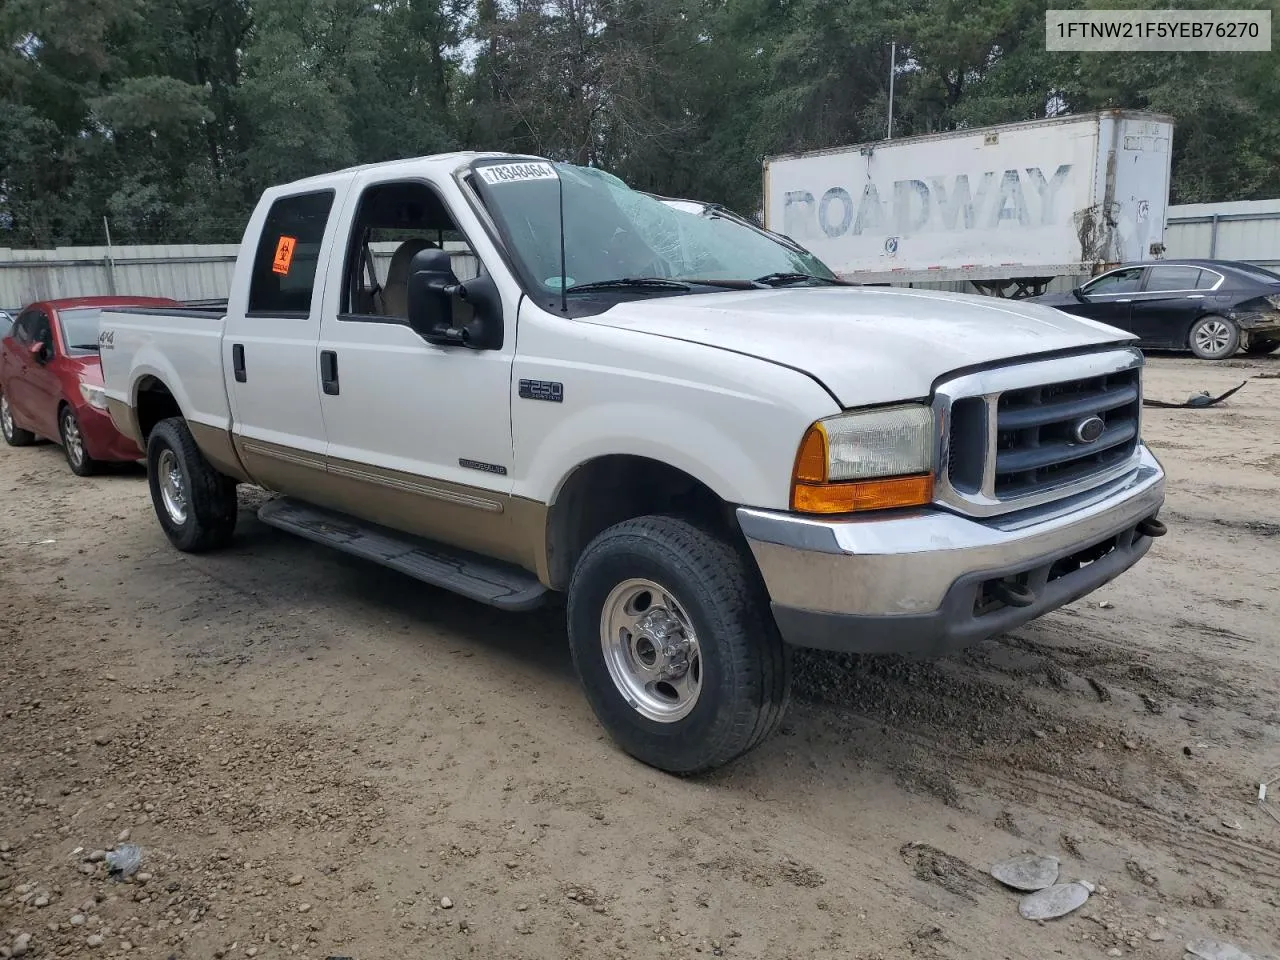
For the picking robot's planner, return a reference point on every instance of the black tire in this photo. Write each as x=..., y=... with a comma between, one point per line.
x=14, y=435
x=209, y=497
x=745, y=668
x=1214, y=337
x=78, y=459
x=1260, y=348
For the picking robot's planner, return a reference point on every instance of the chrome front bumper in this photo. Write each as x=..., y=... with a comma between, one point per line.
x=928, y=581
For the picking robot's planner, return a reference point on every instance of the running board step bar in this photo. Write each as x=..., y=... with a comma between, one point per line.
x=479, y=578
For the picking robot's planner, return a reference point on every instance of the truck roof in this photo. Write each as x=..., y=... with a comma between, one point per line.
x=437, y=162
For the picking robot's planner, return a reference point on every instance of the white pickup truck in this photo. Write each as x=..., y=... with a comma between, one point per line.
x=559, y=386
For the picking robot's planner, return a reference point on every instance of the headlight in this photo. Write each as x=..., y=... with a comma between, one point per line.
x=871, y=460
x=94, y=396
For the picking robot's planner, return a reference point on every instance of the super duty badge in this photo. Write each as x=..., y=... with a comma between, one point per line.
x=549, y=390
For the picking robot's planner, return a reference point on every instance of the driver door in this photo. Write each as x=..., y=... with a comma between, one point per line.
x=1109, y=299
x=27, y=380
x=419, y=434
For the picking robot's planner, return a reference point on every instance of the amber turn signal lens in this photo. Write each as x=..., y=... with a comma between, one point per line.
x=861, y=495
x=812, y=459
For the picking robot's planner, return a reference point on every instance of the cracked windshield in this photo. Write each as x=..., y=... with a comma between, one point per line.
x=612, y=232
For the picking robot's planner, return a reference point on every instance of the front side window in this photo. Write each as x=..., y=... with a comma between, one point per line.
x=394, y=222
x=1121, y=281
x=284, y=266
x=79, y=329
x=612, y=232
x=1173, y=278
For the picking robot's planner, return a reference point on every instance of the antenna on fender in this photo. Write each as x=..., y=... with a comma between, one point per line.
x=564, y=270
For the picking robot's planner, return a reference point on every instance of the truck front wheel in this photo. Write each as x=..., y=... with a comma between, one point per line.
x=675, y=645
x=196, y=505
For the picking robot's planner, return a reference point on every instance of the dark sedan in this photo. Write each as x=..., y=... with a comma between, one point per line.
x=1211, y=307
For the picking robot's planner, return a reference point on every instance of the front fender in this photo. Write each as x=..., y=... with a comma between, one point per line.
x=692, y=444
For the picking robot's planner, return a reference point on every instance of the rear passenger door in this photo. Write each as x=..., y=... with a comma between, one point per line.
x=269, y=344
x=1172, y=299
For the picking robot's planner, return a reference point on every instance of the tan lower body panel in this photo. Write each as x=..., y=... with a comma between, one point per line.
x=126, y=422
x=469, y=518
x=218, y=449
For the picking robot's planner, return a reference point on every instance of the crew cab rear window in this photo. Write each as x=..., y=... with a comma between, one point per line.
x=284, y=267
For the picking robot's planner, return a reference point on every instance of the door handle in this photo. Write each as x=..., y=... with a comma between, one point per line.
x=237, y=362
x=329, y=372
x=1125, y=300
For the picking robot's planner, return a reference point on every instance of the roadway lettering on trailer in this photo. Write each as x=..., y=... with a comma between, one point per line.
x=930, y=206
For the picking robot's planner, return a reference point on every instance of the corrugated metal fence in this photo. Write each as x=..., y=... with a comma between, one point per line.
x=1244, y=230
x=182, y=272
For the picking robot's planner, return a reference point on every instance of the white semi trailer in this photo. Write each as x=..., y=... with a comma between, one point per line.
x=1007, y=207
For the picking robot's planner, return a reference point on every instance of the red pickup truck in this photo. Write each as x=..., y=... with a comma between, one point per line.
x=51, y=381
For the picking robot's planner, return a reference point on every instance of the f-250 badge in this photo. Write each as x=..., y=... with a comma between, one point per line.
x=550, y=390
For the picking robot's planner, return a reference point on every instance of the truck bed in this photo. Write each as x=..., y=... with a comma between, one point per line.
x=138, y=343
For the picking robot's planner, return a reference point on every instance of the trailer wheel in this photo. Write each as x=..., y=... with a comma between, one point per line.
x=195, y=504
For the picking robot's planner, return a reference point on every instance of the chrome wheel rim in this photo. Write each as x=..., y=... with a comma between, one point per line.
x=173, y=493
x=651, y=650
x=6, y=417
x=71, y=437
x=1213, y=337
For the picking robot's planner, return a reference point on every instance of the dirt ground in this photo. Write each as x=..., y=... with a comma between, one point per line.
x=322, y=759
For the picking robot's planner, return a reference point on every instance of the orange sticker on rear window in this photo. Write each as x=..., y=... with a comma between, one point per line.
x=284, y=255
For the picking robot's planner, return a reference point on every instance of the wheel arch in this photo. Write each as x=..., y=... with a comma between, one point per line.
x=151, y=402
x=609, y=489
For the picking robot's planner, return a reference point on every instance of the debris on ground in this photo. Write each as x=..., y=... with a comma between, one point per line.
x=1262, y=798
x=1214, y=950
x=1195, y=401
x=1055, y=901
x=1028, y=872
x=124, y=860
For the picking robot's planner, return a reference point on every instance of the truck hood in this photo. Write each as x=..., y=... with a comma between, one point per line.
x=866, y=345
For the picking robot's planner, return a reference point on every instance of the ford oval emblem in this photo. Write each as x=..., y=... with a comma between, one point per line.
x=1089, y=429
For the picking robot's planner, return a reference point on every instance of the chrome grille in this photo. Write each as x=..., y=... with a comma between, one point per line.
x=1013, y=435
x=1035, y=441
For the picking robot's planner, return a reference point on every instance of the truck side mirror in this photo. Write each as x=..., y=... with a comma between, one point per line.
x=1078, y=293
x=432, y=287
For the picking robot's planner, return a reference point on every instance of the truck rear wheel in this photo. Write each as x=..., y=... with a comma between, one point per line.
x=675, y=645
x=196, y=505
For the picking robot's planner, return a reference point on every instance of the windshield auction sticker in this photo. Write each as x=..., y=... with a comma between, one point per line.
x=516, y=172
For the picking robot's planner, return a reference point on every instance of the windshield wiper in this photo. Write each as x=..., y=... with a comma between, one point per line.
x=636, y=283
x=780, y=279
x=86, y=346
